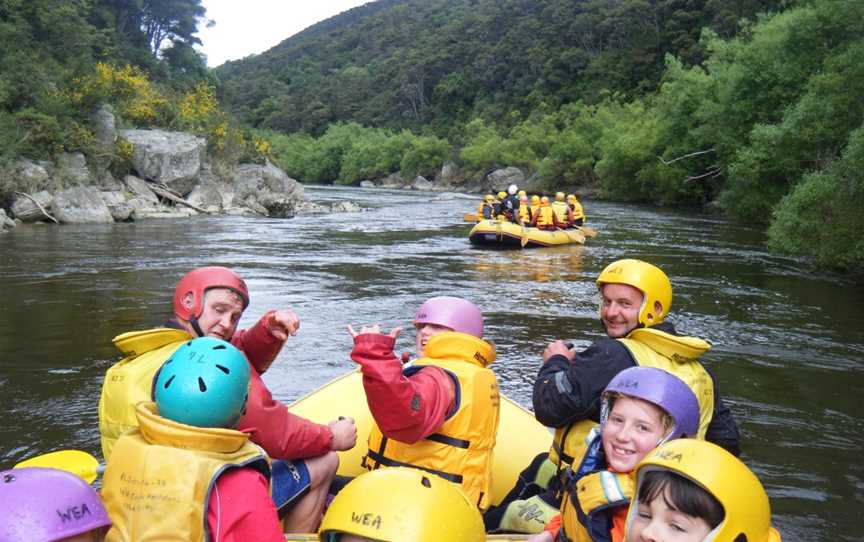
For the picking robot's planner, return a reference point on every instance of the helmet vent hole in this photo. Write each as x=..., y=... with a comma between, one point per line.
x=201, y=385
x=219, y=347
x=168, y=382
x=426, y=483
x=224, y=369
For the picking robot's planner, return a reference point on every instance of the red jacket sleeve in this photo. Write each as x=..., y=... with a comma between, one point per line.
x=259, y=345
x=240, y=509
x=405, y=409
x=282, y=435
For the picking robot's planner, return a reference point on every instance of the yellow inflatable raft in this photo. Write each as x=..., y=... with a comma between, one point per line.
x=500, y=234
x=520, y=436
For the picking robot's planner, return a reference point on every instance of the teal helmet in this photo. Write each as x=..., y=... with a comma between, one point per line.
x=205, y=384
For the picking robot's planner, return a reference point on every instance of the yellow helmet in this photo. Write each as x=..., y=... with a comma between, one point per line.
x=559, y=196
x=489, y=198
x=502, y=195
x=736, y=488
x=535, y=200
x=571, y=198
x=401, y=504
x=523, y=194
x=647, y=278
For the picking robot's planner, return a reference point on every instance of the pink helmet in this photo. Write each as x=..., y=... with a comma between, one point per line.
x=454, y=312
x=47, y=505
x=198, y=281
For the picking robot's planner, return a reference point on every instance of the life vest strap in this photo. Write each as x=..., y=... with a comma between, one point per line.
x=381, y=460
x=450, y=441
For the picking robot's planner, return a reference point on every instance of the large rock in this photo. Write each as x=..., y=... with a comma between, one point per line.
x=26, y=210
x=72, y=168
x=266, y=187
x=140, y=189
x=81, y=205
x=28, y=175
x=500, y=179
x=116, y=201
x=394, y=180
x=449, y=174
x=207, y=195
x=422, y=183
x=6, y=223
x=173, y=158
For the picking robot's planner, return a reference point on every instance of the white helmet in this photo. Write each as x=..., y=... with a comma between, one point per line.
x=512, y=189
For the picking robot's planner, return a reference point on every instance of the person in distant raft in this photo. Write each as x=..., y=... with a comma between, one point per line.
x=563, y=214
x=510, y=205
x=208, y=302
x=576, y=212
x=440, y=413
x=635, y=298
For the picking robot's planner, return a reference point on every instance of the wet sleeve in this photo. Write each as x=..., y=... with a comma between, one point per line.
x=283, y=435
x=405, y=409
x=240, y=508
x=722, y=429
x=259, y=345
x=565, y=391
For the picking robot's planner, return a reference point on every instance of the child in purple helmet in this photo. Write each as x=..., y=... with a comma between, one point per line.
x=48, y=505
x=641, y=408
x=441, y=413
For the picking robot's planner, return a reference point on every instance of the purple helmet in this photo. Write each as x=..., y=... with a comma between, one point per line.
x=663, y=389
x=454, y=312
x=47, y=505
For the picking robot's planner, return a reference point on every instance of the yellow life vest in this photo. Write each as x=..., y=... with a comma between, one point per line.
x=650, y=348
x=593, y=493
x=157, y=485
x=577, y=211
x=560, y=209
x=524, y=213
x=534, y=209
x=679, y=356
x=130, y=380
x=461, y=450
x=545, y=218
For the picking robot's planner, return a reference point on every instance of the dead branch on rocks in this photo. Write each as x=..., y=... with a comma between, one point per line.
x=39, y=205
x=169, y=194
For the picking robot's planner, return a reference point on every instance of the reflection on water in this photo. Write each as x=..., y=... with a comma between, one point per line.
x=787, y=348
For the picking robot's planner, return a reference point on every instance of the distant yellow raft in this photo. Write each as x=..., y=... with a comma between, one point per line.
x=496, y=234
x=520, y=436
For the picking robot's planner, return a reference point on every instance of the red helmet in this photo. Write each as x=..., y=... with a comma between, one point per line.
x=198, y=281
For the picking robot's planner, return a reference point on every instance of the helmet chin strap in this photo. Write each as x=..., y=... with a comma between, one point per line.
x=193, y=321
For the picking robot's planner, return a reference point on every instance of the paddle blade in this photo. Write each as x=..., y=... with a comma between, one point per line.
x=78, y=462
x=589, y=232
x=524, y=240
x=469, y=217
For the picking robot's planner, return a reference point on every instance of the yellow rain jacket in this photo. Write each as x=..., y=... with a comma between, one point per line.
x=461, y=450
x=130, y=380
x=158, y=484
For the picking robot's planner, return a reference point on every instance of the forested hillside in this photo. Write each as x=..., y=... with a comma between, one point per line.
x=438, y=63
x=751, y=107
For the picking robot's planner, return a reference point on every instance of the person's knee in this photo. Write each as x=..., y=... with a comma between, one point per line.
x=322, y=469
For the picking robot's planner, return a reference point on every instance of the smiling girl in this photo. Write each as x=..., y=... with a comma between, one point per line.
x=641, y=408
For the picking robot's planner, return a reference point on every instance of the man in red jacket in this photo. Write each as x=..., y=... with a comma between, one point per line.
x=208, y=302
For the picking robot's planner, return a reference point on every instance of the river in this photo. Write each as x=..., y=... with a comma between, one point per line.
x=787, y=342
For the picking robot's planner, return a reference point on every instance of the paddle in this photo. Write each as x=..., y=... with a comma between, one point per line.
x=524, y=240
x=469, y=217
x=77, y=462
x=589, y=232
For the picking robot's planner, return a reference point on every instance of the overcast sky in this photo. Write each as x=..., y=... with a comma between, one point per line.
x=245, y=27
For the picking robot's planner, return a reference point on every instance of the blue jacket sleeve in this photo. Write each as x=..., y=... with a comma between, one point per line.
x=566, y=392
